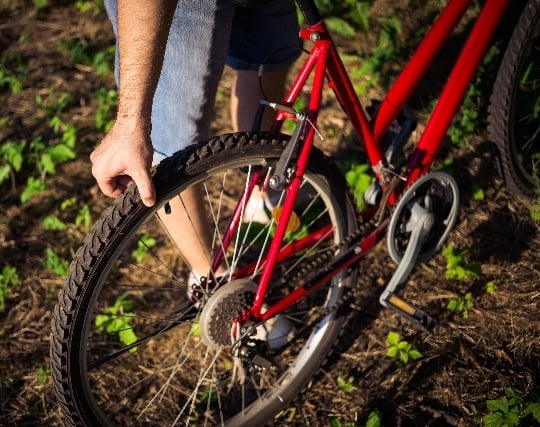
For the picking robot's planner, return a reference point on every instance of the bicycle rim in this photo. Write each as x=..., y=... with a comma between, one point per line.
x=127, y=345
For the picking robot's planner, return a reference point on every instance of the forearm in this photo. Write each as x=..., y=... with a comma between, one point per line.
x=143, y=28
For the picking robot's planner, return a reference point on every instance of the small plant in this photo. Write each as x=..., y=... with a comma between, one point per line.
x=345, y=384
x=144, y=244
x=335, y=421
x=511, y=410
x=491, y=287
x=400, y=348
x=34, y=186
x=10, y=79
x=11, y=160
x=456, y=268
x=478, y=194
x=89, y=6
x=8, y=279
x=56, y=264
x=359, y=179
x=116, y=319
x=53, y=223
x=374, y=419
x=107, y=100
x=462, y=304
x=83, y=217
x=43, y=374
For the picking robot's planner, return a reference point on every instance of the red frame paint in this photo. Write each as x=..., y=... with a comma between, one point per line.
x=323, y=64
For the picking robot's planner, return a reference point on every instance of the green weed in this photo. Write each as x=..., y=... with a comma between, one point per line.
x=53, y=223
x=55, y=263
x=144, y=244
x=40, y=3
x=9, y=278
x=335, y=421
x=90, y=6
x=116, y=319
x=107, y=101
x=11, y=160
x=374, y=419
x=84, y=217
x=491, y=287
x=353, y=12
x=456, y=268
x=11, y=79
x=34, y=186
x=512, y=410
x=345, y=384
x=86, y=52
x=461, y=304
x=400, y=348
x=359, y=178
x=43, y=374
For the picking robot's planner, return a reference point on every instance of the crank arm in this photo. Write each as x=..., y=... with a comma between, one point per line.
x=420, y=223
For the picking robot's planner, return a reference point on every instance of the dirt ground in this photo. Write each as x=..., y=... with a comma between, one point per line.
x=465, y=361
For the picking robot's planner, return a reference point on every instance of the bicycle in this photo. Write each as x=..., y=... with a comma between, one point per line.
x=133, y=342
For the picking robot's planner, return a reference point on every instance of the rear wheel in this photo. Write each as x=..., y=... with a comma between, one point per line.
x=134, y=342
x=514, y=119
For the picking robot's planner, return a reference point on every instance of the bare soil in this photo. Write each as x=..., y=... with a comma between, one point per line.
x=466, y=360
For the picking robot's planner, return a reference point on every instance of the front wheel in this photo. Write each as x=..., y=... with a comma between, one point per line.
x=135, y=341
x=514, y=114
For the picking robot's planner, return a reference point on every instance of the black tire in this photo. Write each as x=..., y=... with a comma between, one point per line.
x=170, y=376
x=514, y=113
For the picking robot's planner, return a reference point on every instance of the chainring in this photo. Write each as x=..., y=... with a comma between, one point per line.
x=438, y=193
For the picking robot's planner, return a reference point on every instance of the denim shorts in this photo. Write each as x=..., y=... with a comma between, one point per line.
x=204, y=35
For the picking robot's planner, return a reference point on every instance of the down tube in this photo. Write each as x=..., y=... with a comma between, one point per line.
x=454, y=90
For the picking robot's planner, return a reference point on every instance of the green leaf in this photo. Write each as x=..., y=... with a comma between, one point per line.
x=61, y=153
x=493, y=420
x=498, y=405
x=415, y=354
x=127, y=336
x=33, y=186
x=374, y=419
x=533, y=409
x=404, y=357
x=392, y=351
x=334, y=421
x=47, y=163
x=5, y=173
x=53, y=223
x=392, y=338
x=340, y=26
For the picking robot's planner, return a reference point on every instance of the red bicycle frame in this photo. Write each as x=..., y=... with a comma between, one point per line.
x=324, y=64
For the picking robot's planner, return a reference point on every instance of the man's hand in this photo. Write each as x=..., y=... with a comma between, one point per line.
x=125, y=154
x=123, y=157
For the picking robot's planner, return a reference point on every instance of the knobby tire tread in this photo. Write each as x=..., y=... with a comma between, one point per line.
x=502, y=98
x=122, y=209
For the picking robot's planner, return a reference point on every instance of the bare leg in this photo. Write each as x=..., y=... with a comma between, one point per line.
x=246, y=93
x=188, y=225
x=190, y=229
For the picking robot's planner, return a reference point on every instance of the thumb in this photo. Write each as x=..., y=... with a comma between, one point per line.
x=144, y=184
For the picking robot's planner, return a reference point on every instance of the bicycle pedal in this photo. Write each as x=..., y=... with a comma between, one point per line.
x=415, y=315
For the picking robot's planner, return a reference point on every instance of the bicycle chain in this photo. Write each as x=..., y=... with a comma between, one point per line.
x=322, y=258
